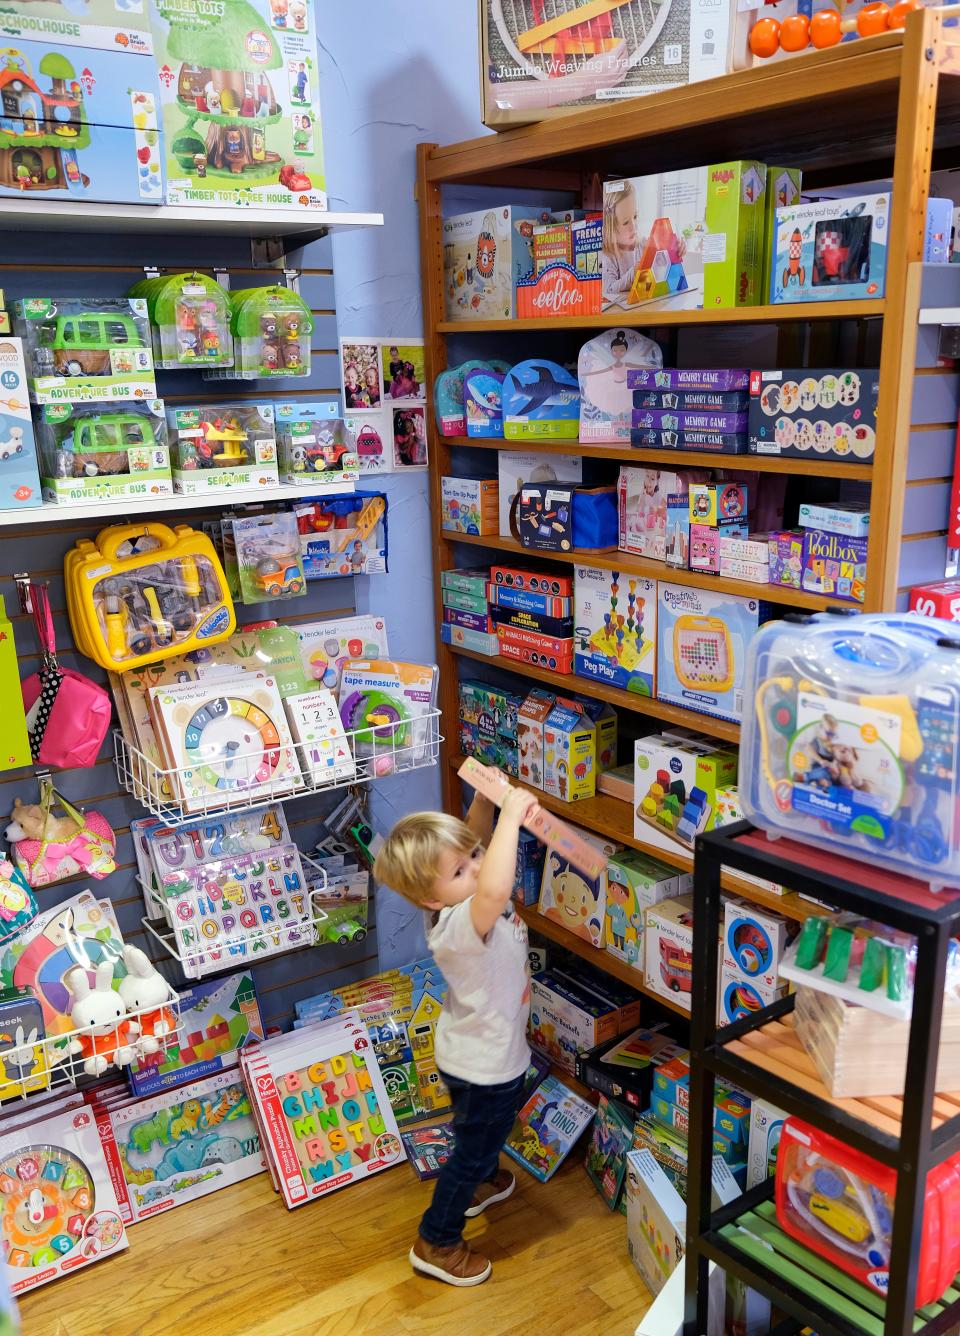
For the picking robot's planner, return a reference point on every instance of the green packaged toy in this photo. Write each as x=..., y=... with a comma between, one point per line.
x=189, y=319
x=271, y=334
x=86, y=349
x=103, y=451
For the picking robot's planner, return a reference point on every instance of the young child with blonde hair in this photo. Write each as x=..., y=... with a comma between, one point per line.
x=480, y=943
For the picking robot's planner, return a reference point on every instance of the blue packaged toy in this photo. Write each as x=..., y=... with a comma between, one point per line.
x=448, y=397
x=482, y=391
x=702, y=637
x=79, y=117
x=540, y=399
x=851, y=740
x=831, y=251
x=343, y=535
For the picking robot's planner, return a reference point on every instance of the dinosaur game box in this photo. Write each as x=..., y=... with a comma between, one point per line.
x=241, y=108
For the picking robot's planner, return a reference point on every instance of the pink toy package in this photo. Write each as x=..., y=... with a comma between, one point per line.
x=642, y=507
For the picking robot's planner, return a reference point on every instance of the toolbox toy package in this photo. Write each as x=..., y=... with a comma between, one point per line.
x=86, y=349
x=830, y=251
x=92, y=452
x=803, y=414
x=241, y=103
x=80, y=106
x=143, y=592
x=851, y=740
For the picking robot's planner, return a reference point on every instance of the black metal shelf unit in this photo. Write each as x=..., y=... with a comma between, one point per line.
x=910, y=906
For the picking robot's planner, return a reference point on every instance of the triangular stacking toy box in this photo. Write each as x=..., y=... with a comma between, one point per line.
x=660, y=271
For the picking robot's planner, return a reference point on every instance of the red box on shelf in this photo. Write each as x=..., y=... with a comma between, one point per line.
x=539, y=582
x=941, y=599
x=531, y=647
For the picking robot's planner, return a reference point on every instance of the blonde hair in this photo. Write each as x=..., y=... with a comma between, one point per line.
x=410, y=858
x=612, y=200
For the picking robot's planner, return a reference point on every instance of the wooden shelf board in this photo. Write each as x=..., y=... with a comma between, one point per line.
x=625, y=454
x=796, y=104
x=555, y=932
x=613, y=818
x=626, y=700
x=653, y=316
x=627, y=564
x=776, y=1050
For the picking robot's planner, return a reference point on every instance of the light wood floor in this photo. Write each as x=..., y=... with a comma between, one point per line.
x=239, y=1264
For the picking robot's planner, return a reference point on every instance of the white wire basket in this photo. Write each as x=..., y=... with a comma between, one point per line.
x=30, y=1064
x=242, y=781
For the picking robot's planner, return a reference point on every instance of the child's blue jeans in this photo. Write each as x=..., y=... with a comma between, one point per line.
x=482, y=1118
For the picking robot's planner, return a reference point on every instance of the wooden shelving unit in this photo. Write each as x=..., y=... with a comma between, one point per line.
x=854, y=113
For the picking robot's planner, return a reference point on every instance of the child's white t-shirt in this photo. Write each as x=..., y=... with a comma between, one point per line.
x=482, y=1031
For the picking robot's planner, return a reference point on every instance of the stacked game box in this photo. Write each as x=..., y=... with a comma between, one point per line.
x=466, y=614
x=533, y=616
x=695, y=409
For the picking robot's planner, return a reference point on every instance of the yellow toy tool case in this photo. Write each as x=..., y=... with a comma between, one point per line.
x=142, y=592
x=850, y=739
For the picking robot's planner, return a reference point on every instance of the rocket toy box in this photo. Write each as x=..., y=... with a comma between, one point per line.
x=241, y=104
x=834, y=250
x=79, y=106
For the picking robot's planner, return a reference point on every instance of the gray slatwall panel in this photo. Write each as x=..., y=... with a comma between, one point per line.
x=922, y=561
x=109, y=266
x=935, y=398
x=926, y=508
x=931, y=454
x=928, y=339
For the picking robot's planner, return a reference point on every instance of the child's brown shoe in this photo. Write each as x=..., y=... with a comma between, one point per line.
x=498, y=1189
x=456, y=1265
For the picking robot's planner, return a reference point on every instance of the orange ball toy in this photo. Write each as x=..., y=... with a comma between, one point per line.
x=873, y=19
x=765, y=38
x=795, y=33
x=825, y=29
x=897, y=17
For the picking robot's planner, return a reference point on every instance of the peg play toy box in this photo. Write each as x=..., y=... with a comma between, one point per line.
x=676, y=786
x=702, y=638
x=804, y=414
x=241, y=105
x=615, y=629
x=80, y=105
x=831, y=251
x=19, y=471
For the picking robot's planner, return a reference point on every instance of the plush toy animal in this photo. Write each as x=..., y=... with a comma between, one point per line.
x=48, y=848
x=142, y=988
x=99, y=1012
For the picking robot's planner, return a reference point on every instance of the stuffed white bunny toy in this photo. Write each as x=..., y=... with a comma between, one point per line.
x=144, y=987
x=102, y=1014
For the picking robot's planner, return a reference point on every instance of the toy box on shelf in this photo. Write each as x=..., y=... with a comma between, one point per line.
x=831, y=414
x=485, y=254
x=489, y=724
x=540, y=399
x=515, y=469
x=240, y=100
x=571, y=898
x=634, y=883
x=766, y=1125
x=676, y=789
x=483, y=403
x=86, y=349
x=19, y=468
x=834, y=564
x=702, y=638
x=223, y=447
x=344, y=535
x=677, y=408
x=753, y=943
x=605, y=398
x=180, y=1145
x=566, y=1020
x=831, y=251
x=565, y=287
x=733, y=248
x=611, y=645
x=95, y=452
x=80, y=108
x=653, y=231
x=642, y=507
x=534, y=66
x=61, y=1211
x=668, y=948
x=941, y=599
x=569, y=751
x=469, y=505
x=870, y=773
x=315, y=446
x=190, y=320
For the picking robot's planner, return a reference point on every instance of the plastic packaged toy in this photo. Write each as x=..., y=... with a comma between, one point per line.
x=84, y=349
x=383, y=705
x=94, y=451
x=839, y=1203
x=315, y=445
x=268, y=557
x=216, y=447
x=343, y=535
x=852, y=740
x=19, y=471
x=540, y=399
x=241, y=103
x=190, y=319
x=271, y=334
x=142, y=592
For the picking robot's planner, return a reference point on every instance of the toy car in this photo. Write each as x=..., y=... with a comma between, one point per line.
x=323, y=456
x=294, y=178
x=277, y=576
x=347, y=930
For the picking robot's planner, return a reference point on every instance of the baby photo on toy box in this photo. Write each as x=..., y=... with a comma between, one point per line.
x=653, y=232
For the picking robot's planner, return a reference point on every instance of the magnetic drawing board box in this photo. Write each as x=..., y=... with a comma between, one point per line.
x=80, y=108
x=702, y=639
x=241, y=103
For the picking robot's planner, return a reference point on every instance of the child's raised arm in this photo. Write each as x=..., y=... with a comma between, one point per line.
x=499, y=867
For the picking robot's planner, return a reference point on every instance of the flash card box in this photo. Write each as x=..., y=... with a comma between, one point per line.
x=317, y=730
x=702, y=639
x=814, y=414
x=835, y=250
